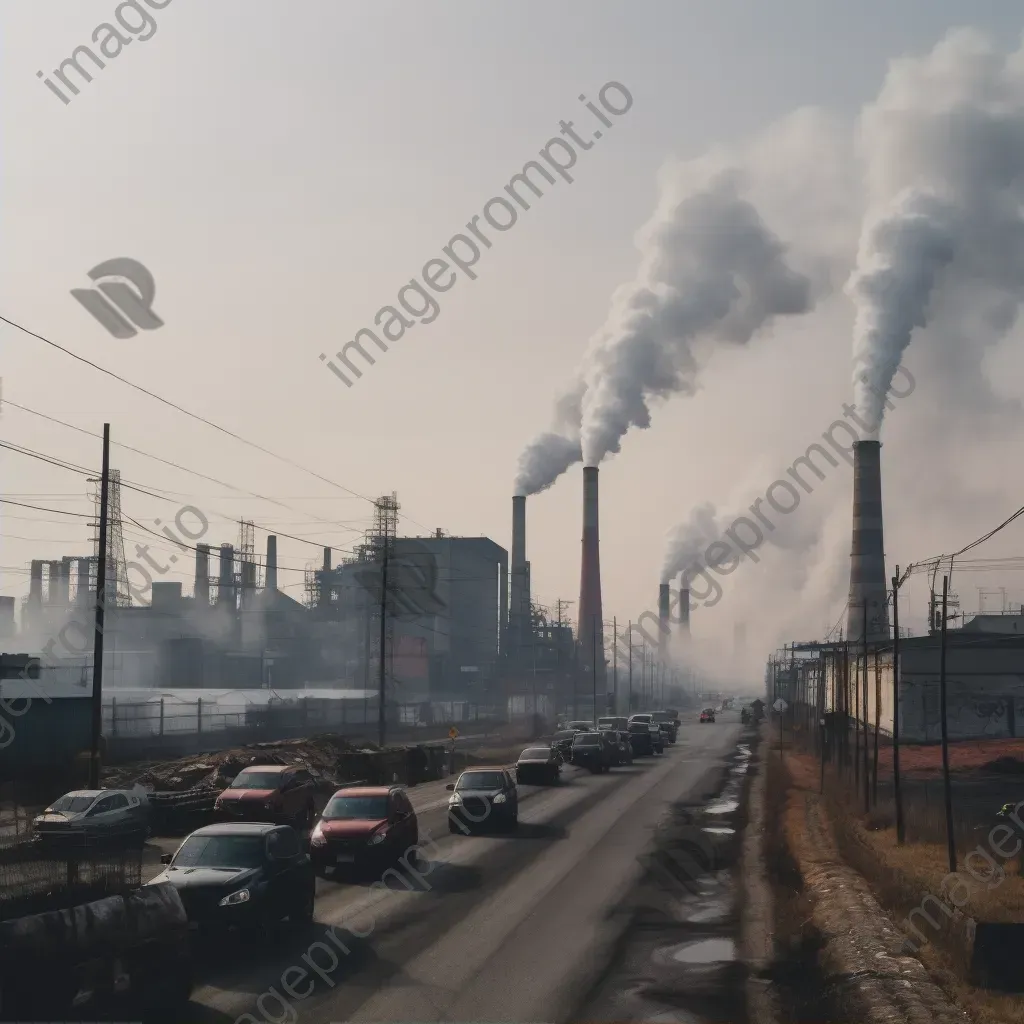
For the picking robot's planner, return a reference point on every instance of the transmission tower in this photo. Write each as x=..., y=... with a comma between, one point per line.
x=249, y=570
x=378, y=548
x=117, y=593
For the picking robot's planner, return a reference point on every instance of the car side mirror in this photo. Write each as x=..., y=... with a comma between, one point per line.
x=451, y=785
x=165, y=858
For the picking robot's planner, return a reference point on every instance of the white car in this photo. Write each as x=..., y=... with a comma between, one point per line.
x=94, y=814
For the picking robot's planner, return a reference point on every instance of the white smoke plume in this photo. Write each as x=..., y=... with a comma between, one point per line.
x=552, y=453
x=711, y=272
x=943, y=149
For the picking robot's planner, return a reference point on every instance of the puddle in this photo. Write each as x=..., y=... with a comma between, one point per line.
x=706, y=951
x=725, y=807
x=720, y=831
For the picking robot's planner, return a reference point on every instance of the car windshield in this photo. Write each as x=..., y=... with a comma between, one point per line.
x=220, y=852
x=535, y=754
x=480, y=780
x=257, y=780
x=361, y=808
x=662, y=716
x=638, y=727
x=586, y=739
x=72, y=804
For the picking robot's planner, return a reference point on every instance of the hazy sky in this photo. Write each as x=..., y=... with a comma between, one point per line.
x=284, y=168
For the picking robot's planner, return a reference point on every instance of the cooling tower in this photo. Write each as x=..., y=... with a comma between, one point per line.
x=591, y=626
x=271, y=563
x=867, y=555
x=519, y=586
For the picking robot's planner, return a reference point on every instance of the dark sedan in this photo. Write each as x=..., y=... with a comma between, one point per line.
x=641, y=739
x=596, y=751
x=562, y=742
x=539, y=766
x=246, y=876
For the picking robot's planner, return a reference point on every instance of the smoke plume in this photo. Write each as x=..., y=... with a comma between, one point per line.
x=944, y=159
x=552, y=453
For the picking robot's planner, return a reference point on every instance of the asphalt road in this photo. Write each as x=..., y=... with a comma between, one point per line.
x=495, y=928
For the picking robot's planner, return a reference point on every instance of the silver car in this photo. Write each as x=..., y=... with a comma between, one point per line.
x=94, y=814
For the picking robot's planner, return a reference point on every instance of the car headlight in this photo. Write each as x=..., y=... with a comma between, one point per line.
x=455, y=800
x=500, y=798
x=268, y=806
x=316, y=837
x=378, y=838
x=242, y=896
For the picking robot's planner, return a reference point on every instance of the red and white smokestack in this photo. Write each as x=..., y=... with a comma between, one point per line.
x=867, y=555
x=519, y=592
x=591, y=626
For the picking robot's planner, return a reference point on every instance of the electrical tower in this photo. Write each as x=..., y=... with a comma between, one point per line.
x=249, y=570
x=379, y=548
x=117, y=593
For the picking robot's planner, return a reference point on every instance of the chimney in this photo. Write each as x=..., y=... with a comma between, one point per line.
x=684, y=611
x=664, y=604
x=271, y=563
x=327, y=559
x=867, y=555
x=35, y=586
x=591, y=626
x=84, y=593
x=226, y=588
x=518, y=595
x=202, y=581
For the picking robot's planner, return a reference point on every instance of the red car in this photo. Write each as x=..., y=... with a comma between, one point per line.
x=707, y=715
x=364, y=826
x=273, y=793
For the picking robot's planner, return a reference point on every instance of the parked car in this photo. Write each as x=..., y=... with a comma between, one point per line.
x=657, y=737
x=114, y=815
x=707, y=715
x=562, y=742
x=640, y=738
x=539, y=765
x=597, y=751
x=483, y=797
x=581, y=726
x=667, y=724
x=364, y=826
x=272, y=793
x=612, y=723
x=246, y=875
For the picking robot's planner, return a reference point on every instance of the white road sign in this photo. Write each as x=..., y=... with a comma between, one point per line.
x=780, y=705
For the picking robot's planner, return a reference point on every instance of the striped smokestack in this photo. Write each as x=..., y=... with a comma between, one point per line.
x=867, y=556
x=591, y=626
x=519, y=594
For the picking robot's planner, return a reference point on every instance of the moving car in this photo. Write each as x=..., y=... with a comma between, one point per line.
x=273, y=793
x=364, y=826
x=640, y=738
x=249, y=875
x=483, y=797
x=613, y=723
x=562, y=742
x=94, y=814
x=667, y=724
x=597, y=751
x=707, y=715
x=539, y=765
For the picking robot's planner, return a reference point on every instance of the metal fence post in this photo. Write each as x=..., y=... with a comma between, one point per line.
x=161, y=716
x=113, y=716
x=199, y=715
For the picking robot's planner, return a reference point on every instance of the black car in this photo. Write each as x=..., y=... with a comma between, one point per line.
x=483, y=797
x=562, y=742
x=539, y=766
x=646, y=739
x=666, y=722
x=242, y=875
x=597, y=751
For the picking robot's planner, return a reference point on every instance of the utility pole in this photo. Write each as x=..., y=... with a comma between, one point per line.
x=383, y=640
x=896, y=705
x=950, y=840
x=629, y=701
x=615, y=662
x=101, y=600
x=878, y=720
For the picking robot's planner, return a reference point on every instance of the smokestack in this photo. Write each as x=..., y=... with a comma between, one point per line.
x=518, y=617
x=271, y=563
x=226, y=588
x=202, y=580
x=591, y=626
x=327, y=559
x=664, y=604
x=35, y=586
x=84, y=592
x=867, y=555
x=684, y=611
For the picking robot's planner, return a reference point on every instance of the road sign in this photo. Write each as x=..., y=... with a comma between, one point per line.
x=780, y=705
x=453, y=733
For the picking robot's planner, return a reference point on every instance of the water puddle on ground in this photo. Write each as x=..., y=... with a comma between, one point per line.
x=678, y=961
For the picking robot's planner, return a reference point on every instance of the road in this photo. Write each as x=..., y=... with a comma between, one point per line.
x=509, y=928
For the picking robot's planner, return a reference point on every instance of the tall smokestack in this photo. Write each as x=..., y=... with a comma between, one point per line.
x=867, y=555
x=327, y=559
x=518, y=617
x=664, y=604
x=202, y=580
x=684, y=611
x=271, y=563
x=591, y=626
x=226, y=588
x=35, y=586
x=84, y=593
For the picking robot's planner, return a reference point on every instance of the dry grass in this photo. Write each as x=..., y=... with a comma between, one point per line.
x=964, y=755
x=902, y=875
